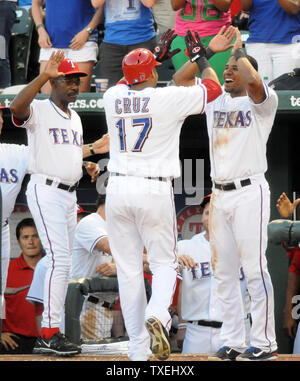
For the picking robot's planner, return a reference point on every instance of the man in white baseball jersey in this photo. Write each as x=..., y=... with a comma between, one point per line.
x=13, y=166
x=239, y=123
x=91, y=257
x=199, y=303
x=55, y=162
x=144, y=124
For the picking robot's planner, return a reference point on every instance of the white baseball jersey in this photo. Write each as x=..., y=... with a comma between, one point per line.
x=14, y=164
x=238, y=131
x=85, y=256
x=200, y=281
x=54, y=151
x=199, y=297
x=145, y=127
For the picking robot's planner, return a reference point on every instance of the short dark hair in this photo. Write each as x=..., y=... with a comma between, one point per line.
x=253, y=62
x=22, y=224
x=100, y=200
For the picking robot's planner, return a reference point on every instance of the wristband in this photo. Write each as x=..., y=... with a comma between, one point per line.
x=91, y=149
x=39, y=26
x=239, y=53
x=209, y=53
x=182, y=325
x=202, y=63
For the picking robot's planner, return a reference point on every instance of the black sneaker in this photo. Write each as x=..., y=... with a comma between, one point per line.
x=160, y=345
x=224, y=354
x=58, y=344
x=256, y=354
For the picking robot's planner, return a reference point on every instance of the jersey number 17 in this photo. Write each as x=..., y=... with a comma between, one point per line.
x=144, y=123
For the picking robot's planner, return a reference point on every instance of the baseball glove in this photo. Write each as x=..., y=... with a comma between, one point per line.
x=162, y=50
x=194, y=46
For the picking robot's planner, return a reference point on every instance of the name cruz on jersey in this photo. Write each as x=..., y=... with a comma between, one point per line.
x=232, y=119
x=134, y=105
x=9, y=176
x=64, y=136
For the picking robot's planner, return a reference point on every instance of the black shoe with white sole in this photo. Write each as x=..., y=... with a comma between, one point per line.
x=224, y=354
x=58, y=345
x=256, y=354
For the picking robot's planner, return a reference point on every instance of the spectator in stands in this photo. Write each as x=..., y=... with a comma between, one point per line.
x=206, y=18
x=274, y=35
x=128, y=25
x=164, y=17
x=25, y=4
x=7, y=19
x=19, y=330
x=70, y=25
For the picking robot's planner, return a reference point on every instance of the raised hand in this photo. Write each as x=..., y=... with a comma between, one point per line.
x=238, y=44
x=194, y=46
x=222, y=40
x=162, y=50
x=53, y=64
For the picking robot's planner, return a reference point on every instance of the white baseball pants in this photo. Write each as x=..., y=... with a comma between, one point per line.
x=5, y=257
x=140, y=213
x=54, y=213
x=238, y=237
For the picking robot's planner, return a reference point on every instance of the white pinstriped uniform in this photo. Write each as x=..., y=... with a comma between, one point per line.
x=144, y=128
x=55, y=153
x=238, y=133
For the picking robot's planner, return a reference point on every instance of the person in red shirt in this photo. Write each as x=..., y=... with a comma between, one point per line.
x=19, y=328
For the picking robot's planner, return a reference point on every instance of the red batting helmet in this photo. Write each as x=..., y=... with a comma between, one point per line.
x=137, y=65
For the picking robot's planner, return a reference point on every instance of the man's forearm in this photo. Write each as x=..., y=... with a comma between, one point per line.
x=246, y=5
x=37, y=12
x=20, y=106
x=97, y=18
x=290, y=6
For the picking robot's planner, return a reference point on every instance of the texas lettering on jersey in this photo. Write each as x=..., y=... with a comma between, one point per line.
x=9, y=176
x=64, y=136
x=232, y=119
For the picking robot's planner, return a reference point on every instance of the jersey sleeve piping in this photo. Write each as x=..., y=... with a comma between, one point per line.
x=18, y=123
x=96, y=241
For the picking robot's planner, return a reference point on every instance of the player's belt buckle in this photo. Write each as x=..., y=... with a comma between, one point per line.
x=231, y=186
x=68, y=188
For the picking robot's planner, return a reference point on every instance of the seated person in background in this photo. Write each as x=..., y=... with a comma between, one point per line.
x=19, y=328
x=91, y=257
